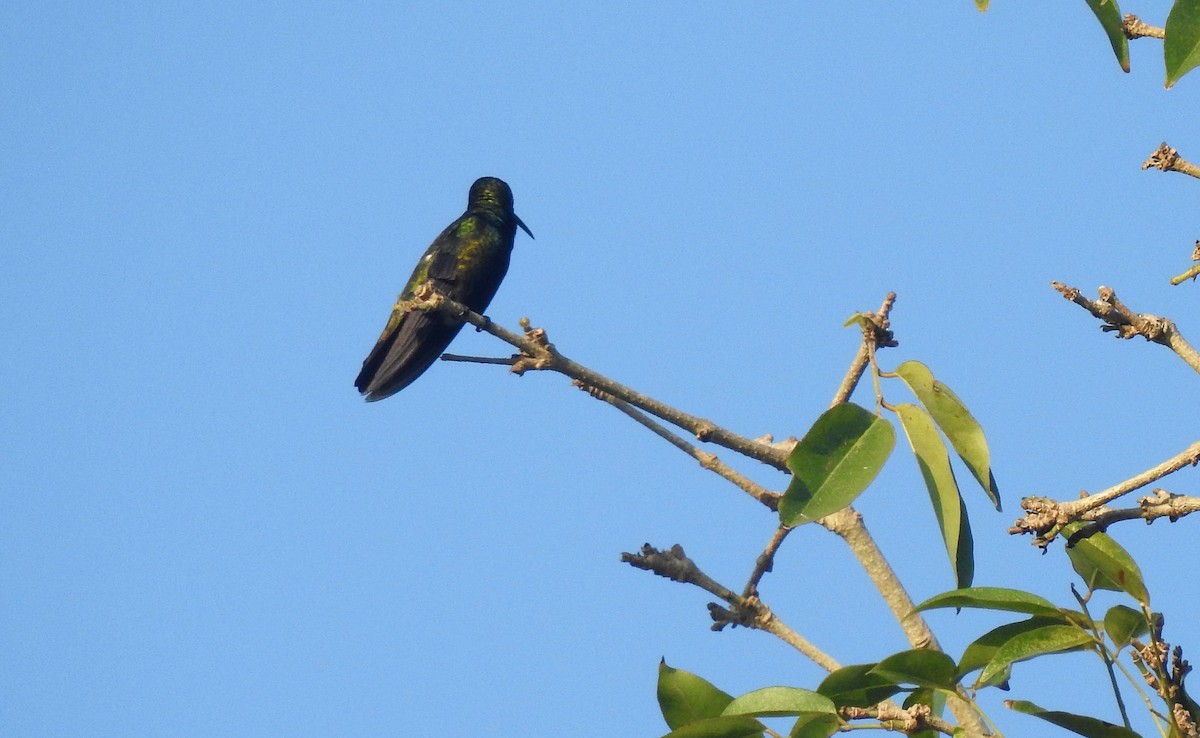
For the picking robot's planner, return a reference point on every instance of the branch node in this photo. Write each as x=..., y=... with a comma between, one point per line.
x=1135, y=28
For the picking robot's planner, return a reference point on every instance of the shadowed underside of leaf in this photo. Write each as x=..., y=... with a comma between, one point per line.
x=951, y=415
x=1032, y=643
x=934, y=462
x=992, y=598
x=1079, y=724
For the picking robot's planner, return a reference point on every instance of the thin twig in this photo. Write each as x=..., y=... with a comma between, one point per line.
x=540, y=354
x=748, y=612
x=1160, y=504
x=1191, y=273
x=507, y=361
x=707, y=460
x=877, y=333
x=1190, y=456
x=765, y=561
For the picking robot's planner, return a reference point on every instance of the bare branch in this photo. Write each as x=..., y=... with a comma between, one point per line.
x=1168, y=159
x=1124, y=323
x=749, y=612
x=1045, y=517
x=848, y=524
x=1160, y=504
x=539, y=354
x=1190, y=456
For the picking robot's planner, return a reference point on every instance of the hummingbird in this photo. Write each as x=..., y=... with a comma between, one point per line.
x=466, y=262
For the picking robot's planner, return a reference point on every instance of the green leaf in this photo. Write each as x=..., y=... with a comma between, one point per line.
x=733, y=726
x=779, y=701
x=1181, y=46
x=857, y=686
x=685, y=698
x=921, y=667
x=934, y=461
x=981, y=5
x=1037, y=642
x=815, y=725
x=1109, y=16
x=1123, y=624
x=1103, y=564
x=835, y=461
x=991, y=598
x=952, y=416
x=1078, y=724
x=983, y=649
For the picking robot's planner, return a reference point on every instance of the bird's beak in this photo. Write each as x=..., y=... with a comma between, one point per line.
x=523, y=226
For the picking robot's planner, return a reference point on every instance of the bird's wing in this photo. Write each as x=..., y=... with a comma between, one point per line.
x=410, y=343
x=444, y=266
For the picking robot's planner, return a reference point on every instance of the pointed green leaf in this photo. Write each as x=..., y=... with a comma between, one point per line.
x=1181, y=46
x=1078, y=724
x=934, y=461
x=815, y=725
x=1103, y=564
x=835, y=461
x=1123, y=624
x=952, y=416
x=991, y=598
x=685, y=698
x=983, y=649
x=733, y=726
x=779, y=701
x=1037, y=642
x=1109, y=16
x=921, y=667
x=857, y=686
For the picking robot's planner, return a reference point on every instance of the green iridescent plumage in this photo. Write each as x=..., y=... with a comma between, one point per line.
x=466, y=262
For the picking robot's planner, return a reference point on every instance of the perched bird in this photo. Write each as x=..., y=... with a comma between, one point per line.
x=466, y=262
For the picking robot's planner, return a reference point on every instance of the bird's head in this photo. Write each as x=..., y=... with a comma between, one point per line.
x=490, y=193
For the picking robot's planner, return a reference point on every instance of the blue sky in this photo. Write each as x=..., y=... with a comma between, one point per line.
x=207, y=214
